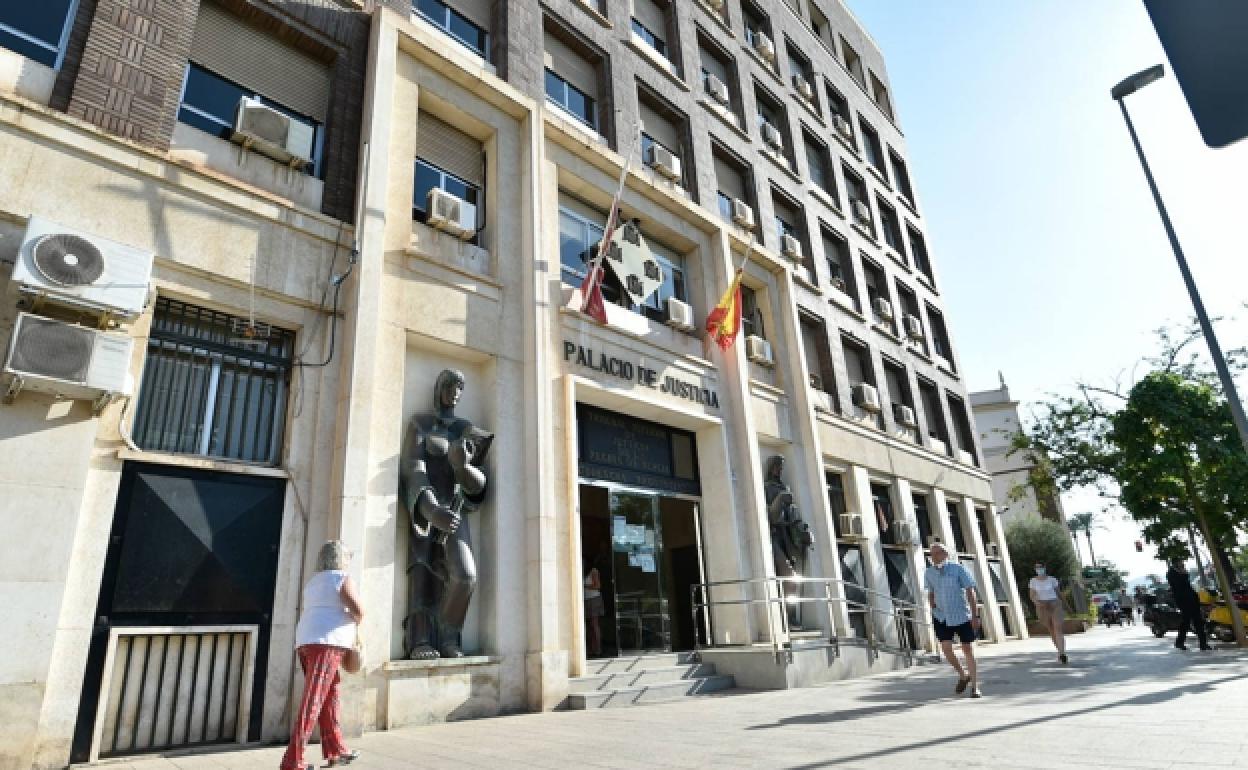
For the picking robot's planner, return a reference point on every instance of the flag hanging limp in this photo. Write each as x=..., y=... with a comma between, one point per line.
x=724, y=322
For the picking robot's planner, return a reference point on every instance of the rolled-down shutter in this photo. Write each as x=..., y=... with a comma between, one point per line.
x=479, y=12
x=660, y=129
x=712, y=64
x=449, y=149
x=652, y=16
x=729, y=180
x=260, y=62
x=571, y=66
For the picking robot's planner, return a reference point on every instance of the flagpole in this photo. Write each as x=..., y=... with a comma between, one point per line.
x=596, y=265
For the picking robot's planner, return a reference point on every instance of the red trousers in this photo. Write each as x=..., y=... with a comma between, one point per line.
x=320, y=705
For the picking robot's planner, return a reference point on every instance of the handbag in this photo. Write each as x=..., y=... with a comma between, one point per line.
x=353, y=661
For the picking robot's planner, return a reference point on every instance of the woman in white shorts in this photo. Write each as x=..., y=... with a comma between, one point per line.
x=1045, y=595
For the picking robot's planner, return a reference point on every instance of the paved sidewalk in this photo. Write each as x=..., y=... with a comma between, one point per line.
x=1126, y=700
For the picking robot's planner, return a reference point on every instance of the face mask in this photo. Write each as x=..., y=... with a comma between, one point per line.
x=1040, y=571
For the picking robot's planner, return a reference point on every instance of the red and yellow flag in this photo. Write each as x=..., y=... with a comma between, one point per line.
x=724, y=322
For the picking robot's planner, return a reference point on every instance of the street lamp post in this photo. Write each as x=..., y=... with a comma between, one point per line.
x=1119, y=92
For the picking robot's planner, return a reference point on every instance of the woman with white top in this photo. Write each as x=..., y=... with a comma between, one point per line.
x=1044, y=590
x=325, y=634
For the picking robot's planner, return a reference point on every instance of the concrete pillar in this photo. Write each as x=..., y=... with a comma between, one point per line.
x=859, y=491
x=904, y=505
x=997, y=533
x=991, y=616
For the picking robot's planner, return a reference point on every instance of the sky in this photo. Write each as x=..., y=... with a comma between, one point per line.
x=1049, y=252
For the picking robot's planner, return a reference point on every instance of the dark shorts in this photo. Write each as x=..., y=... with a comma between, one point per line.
x=964, y=632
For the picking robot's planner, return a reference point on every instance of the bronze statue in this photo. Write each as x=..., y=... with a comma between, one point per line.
x=440, y=481
x=790, y=535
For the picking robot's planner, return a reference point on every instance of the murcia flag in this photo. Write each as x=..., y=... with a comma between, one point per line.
x=724, y=322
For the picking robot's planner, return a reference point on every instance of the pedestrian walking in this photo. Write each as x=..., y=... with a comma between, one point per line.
x=326, y=632
x=1046, y=596
x=955, y=612
x=1127, y=603
x=1188, y=603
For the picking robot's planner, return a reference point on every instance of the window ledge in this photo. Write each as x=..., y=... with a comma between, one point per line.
x=781, y=162
x=946, y=367
x=880, y=177
x=825, y=197
x=661, y=63
x=898, y=258
x=927, y=281
x=864, y=232
x=909, y=204
x=203, y=463
x=800, y=277
x=882, y=328
x=917, y=351
x=848, y=144
x=588, y=7
x=418, y=19
x=767, y=66
x=717, y=16
x=572, y=124
x=810, y=108
x=844, y=302
x=728, y=118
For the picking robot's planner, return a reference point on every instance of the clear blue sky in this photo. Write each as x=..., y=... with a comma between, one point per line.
x=1052, y=260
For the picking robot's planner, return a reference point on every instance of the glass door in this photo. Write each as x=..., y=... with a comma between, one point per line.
x=642, y=614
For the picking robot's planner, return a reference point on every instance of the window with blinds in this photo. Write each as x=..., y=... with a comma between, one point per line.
x=571, y=75
x=467, y=21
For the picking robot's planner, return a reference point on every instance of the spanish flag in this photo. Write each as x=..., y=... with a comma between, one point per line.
x=724, y=322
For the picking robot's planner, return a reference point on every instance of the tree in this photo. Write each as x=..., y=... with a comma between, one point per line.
x=1084, y=522
x=1104, y=578
x=1033, y=540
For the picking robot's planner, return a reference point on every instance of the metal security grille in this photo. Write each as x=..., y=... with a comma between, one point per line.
x=174, y=688
x=206, y=391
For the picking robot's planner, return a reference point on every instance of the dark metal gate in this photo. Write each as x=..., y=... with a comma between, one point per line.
x=179, y=645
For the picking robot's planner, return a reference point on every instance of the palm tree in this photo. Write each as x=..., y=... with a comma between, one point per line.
x=1085, y=522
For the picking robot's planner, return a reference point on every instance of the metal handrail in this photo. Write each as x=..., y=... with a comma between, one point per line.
x=899, y=611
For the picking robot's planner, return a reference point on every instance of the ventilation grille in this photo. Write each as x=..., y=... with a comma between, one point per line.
x=68, y=260
x=52, y=349
x=264, y=122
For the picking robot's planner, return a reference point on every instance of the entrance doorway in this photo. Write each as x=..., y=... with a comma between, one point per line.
x=646, y=546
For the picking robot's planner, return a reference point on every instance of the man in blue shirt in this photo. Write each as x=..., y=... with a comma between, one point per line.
x=951, y=593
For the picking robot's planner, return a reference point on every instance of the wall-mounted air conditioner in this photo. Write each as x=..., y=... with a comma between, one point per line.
x=663, y=161
x=716, y=5
x=70, y=267
x=764, y=47
x=742, y=214
x=270, y=132
x=451, y=214
x=842, y=127
x=904, y=415
x=758, y=350
x=791, y=247
x=867, y=397
x=718, y=90
x=851, y=526
x=883, y=309
x=804, y=88
x=913, y=326
x=773, y=137
x=69, y=361
x=679, y=315
x=862, y=213
x=903, y=533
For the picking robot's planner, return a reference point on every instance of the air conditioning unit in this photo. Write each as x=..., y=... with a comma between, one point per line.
x=664, y=161
x=862, y=212
x=271, y=132
x=843, y=127
x=679, y=315
x=867, y=397
x=449, y=213
x=851, y=526
x=773, y=137
x=904, y=415
x=903, y=533
x=718, y=90
x=69, y=267
x=933, y=540
x=913, y=326
x=742, y=214
x=66, y=360
x=716, y=5
x=994, y=550
x=764, y=47
x=804, y=88
x=758, y=350
x=791, y=247
x=883, y=309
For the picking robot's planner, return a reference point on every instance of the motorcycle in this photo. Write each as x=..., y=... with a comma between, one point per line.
x=1110, y=614
x=1218, y=621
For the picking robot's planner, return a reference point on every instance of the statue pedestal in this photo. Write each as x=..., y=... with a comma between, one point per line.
x=421, y=692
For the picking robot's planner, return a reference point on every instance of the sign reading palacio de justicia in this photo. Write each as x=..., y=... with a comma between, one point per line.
x=636, y=373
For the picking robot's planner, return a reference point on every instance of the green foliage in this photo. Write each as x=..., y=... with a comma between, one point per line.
x=1104, y=578
x=1033, y=540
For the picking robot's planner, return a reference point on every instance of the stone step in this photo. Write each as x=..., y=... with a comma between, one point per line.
x=644, y=676
x=650, y=693
x=638, y=662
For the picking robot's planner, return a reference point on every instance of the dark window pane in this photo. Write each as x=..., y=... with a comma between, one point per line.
x=42, y=20
x=212, y=95
x=427, y=178
x=468, y=33
x=554, y=87
x=432, y=9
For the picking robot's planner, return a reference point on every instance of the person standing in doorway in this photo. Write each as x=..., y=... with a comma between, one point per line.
x=951, y=593
x=595, y=608
x=1046, y=597
x=1188, y=603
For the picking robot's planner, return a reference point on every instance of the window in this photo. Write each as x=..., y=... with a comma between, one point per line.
x=898, y=390
x=571, y=75
x=940, y=335
x=838, y=105
x=934, y=412
x=580, y=231
x=771, y=112
x=853, y=62
x=923, y=517
x=652, y=23
x=802, y=75
x=961, y=425
x=446, y=159
x=910, y=307
x=877, y=289
x=751, y=314
x=666, y=127
x=791, y=221
x=36, y=29
x=732, y=180
x=882, y=504
x=872, y=147
x=210, y=102
x=858, y=367
x=819, y=162
x=981, y=519
x=901, y=176
x=918, y=252
x=757, y=25
x=840, y=265
x=891, y=227
x=818, y=357
x=209, y=391
x=880, y=94
x=955, y=524
x=859, y=207
x=835, y=483
x=820, y=26
x=454, y=23
x=429, y=177
x=718, y=65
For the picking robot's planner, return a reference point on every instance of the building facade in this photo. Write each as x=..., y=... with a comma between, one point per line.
x=442, y=173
